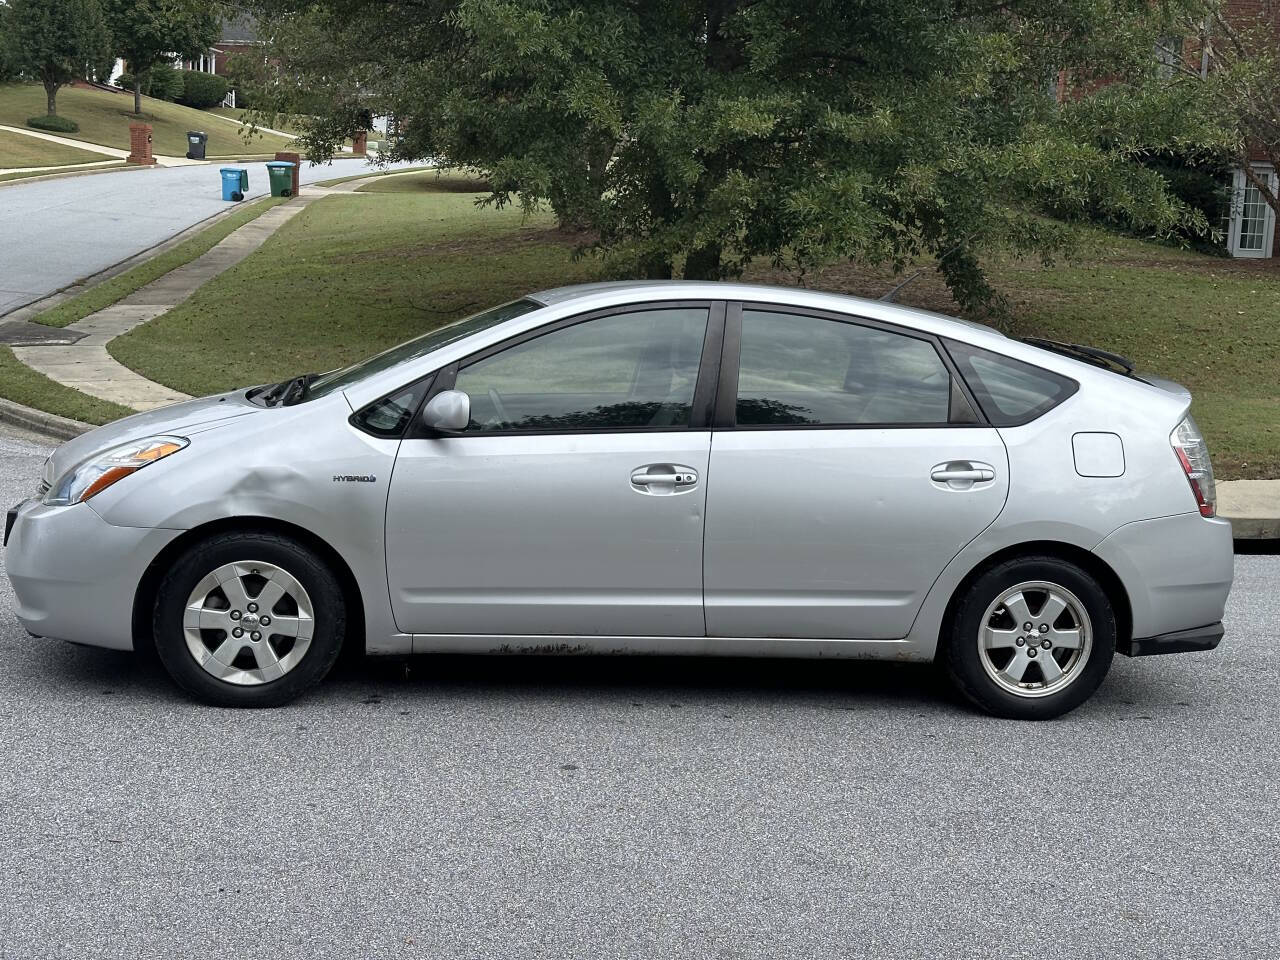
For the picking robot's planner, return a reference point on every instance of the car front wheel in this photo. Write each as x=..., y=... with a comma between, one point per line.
x=1032, y=639
x=249, y=620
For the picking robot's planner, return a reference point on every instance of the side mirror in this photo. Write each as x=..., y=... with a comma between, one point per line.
x=449, y=411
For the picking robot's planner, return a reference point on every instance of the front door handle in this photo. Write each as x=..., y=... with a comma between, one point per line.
x=962, y=474
x=664, y=478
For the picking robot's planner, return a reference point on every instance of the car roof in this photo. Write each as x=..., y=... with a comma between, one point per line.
x=725, y=290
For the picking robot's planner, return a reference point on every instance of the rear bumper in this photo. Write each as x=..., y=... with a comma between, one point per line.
x=1176, y=571
x=1180, y=641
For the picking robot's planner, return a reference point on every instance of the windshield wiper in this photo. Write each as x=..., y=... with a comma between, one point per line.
x=1099, y=358
x=288, y=392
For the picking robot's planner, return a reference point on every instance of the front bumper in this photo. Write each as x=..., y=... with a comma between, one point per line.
x=1179, y=641
x=75, y=575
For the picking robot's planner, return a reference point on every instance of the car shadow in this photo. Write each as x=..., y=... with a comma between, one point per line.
x=856, y=683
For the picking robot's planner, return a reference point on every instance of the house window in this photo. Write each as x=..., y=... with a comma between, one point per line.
x=1253, y=222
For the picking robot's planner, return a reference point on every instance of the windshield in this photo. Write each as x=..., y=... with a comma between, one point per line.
x=419, y=346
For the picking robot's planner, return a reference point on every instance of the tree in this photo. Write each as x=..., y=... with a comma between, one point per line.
x=149, y=32
x=1233, y=54
x=53, y=41
x=694, y=136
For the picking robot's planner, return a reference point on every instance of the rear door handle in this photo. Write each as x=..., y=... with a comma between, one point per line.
x=962, y=474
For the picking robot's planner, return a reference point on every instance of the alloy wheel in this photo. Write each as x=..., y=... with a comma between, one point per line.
x=248, y=623
x=1035, y=639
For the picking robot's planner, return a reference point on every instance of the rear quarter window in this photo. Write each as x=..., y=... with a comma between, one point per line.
x=1009, y=391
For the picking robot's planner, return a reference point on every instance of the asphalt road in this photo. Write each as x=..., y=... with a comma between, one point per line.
x=59, y=231
x=484, y=808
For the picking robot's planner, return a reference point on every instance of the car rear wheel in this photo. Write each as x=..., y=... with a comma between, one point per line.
x=249, y=620
x=1032, y=639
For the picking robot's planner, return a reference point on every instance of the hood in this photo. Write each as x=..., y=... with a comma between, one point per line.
x=189, y=416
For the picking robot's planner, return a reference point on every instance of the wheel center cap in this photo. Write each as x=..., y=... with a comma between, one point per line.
x=250, y=619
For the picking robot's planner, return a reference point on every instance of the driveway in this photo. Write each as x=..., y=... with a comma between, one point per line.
x=648, y=808
x=60, y=231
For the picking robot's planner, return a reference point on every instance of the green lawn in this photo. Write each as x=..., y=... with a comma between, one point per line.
x=349, y=276
x=104, y=119
x=427, y=181
x=387, y=173
x=17, y=150
x=321, y=294
x=109, y=291
x=21, y=384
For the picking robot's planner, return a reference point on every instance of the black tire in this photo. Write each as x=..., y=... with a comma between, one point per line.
x=324, y=593
x=963, y=661
x=237, y=195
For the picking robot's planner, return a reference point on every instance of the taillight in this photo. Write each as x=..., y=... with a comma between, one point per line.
x=1193, y=454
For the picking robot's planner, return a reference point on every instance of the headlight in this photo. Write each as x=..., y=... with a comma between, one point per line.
x=99, y=472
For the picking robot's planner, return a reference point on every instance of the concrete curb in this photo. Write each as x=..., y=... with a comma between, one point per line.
x=49, y=424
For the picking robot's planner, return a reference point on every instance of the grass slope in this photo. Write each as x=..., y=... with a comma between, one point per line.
x=21, y=384
x=104, y=119
x=349, y=276
x=109, y=291
x=17, y=150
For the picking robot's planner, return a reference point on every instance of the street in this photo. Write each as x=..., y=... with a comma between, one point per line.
x=62, y=230
x=636, y=807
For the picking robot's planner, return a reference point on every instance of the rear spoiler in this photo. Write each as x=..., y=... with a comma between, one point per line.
x=1099, y=358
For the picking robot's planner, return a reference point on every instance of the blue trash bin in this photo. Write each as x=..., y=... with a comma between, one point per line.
x=234, y=183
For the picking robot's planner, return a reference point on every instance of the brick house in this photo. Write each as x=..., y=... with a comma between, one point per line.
x=238, y=36
x=1250, y=225
x=1251, y=228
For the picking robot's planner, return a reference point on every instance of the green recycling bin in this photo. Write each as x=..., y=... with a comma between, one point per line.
x=280, y=173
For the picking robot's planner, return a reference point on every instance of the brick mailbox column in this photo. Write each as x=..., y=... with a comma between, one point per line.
x=360, y=143
x=296, y=160
x=140, y=144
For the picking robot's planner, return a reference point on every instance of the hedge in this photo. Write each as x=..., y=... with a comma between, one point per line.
x=55, y=124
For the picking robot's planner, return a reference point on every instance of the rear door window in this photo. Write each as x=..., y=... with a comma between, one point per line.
x=812, y=371
x=1009, y=391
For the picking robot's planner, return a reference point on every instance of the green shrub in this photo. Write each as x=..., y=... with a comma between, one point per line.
x=125, y=82
x=167, y=83
x=203, y=90
x=54, y=124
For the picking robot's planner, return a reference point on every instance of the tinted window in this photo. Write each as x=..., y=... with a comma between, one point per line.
x=807, y=370
x=629, y=370
x=1009, y=391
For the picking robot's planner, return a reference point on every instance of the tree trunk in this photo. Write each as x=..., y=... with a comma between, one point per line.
x=51, y=97
x=703, y=263
x=655, y=266
x=137, y=93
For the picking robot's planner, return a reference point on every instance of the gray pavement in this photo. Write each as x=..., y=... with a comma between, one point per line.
x=470, y=807
x=59, y=231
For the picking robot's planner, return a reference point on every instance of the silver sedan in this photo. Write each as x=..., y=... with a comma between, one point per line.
x=677, y=468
